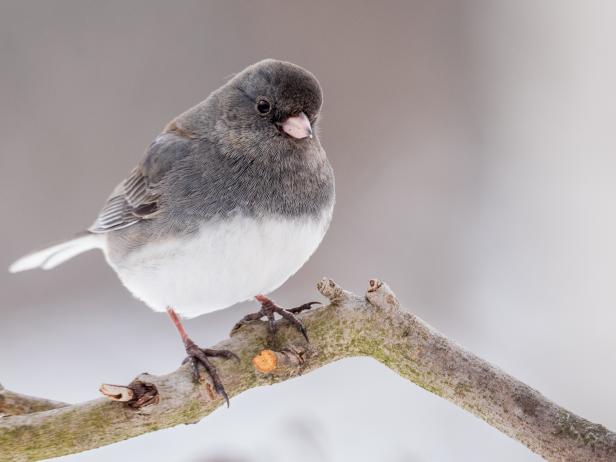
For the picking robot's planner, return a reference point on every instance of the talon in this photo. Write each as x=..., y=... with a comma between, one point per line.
x=304, y=333
x=305, y=306
x=221, y=391
x=238, y=325
x=294, y=321
x=246, y=319
x=197, y=355
x=227, y=354
x=268, y=308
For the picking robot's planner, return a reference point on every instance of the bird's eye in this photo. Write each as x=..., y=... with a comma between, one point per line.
x=263, y=106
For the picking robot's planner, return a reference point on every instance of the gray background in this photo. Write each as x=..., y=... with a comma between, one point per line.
x=473, y=144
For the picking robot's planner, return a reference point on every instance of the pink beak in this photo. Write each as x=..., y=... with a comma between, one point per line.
x=297, y=126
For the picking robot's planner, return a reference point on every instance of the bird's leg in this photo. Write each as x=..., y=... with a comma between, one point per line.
x=268, y=308
x=197, y=355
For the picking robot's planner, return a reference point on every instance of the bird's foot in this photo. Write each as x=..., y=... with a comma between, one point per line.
x=268, y=308
x=199, y=356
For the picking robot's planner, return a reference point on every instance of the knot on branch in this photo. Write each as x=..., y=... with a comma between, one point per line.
x=282, y=363
x=136, y=394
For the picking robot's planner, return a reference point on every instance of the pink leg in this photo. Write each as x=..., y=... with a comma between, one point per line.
x=178, y=324
x=198, y=356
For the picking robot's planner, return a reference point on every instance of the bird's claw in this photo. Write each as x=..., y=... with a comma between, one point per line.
x=305, y=306
x=199, y=356
x=268, y=308
x=295, y=322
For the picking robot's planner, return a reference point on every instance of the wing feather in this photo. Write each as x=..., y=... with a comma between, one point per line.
x=136, y=198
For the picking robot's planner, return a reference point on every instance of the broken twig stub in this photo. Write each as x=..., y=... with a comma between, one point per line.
x=136, y=394
x=285, y=363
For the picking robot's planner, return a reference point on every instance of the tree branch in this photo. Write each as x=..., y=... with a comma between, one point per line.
x=12, y=403
x=373, y=325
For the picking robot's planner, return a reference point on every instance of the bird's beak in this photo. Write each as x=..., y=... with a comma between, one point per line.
x=297, y=126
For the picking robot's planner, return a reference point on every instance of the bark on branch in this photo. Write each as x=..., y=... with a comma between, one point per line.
x=12, y=403
x=374, y=325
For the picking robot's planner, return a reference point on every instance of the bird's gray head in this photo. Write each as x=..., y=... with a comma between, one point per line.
x=270, y=109
x=271, y=106
x=276, y=97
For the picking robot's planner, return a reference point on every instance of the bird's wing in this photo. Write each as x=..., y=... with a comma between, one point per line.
x=137, y=197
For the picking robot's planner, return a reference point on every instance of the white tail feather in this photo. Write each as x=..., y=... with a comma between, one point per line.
x=53, y=256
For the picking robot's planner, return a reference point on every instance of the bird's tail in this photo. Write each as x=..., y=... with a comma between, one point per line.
x=53, y=256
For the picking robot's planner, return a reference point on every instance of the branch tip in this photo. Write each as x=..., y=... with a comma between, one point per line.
x=328, y=288
x=374, y=285
x=380, y=295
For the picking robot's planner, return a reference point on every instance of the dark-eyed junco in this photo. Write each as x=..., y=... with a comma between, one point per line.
x=228, y=202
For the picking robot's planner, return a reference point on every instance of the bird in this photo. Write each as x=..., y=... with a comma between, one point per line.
x=228, y=201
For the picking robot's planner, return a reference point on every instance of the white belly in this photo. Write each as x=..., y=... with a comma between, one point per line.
x=224, y=263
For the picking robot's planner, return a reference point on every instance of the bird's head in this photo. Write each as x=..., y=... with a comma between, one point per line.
x=271, y=106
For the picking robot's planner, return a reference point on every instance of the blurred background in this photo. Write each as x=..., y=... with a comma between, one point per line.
x=474, y=150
